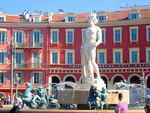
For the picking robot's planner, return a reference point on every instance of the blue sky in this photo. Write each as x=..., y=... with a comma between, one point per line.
x=18, y=6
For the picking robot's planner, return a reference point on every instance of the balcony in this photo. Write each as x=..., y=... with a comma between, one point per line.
x=28, y=66
x=20, y=45
x=36, y=65
x=36, y=45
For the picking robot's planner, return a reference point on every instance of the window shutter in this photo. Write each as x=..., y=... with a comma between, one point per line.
x=31, y=38
x=6, y=58
x=6, y=37
x=32, y=78
x=23, y=36
x=5, y=77
x=40, y=77
x=41, y=36
x=22, y=77
x=14, y=78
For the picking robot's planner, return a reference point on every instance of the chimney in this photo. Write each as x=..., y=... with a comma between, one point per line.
x=61, y=11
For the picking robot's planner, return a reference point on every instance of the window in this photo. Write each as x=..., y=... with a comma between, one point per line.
x=3, y=77
x=148, y=33
x=55, y=36
x=71, y=19
x=54, y=57
x=36, y=77
x=117, y=35
x=3, y=36
x=3, y=57
x=36, y=38
x=36, y=19
x=18, y=76
x=69, y=36
x=36, y=60
x=19, y=36
x=101, y=18
x=69, y=57
x=133, y=16
x=19, y=57
x=148, y=55
x=134, y=34
x=117, y=56
x=103, y=35
x=2, y=19
x=134, y=55
x=101, y=56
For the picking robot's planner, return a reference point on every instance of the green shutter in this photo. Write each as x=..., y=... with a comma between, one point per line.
x=22, y=77
x=5, y=77
x=41, y=77
x=6, y=58
x=6, y=37
x=31, y=78
x=41, y=38
x=31, y=38
x=23, y=36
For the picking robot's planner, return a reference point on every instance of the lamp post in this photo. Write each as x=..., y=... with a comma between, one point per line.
x=11, y=82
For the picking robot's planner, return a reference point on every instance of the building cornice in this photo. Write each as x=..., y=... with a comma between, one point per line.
x=63, y=24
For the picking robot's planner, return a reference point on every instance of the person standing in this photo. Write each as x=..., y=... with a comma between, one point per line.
x=122, y=106
x=17, y=105
x=7, y=99
x=147, y=109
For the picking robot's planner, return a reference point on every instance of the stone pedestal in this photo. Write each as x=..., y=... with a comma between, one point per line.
x=80, y=93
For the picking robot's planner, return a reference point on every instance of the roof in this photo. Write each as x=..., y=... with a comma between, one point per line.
x=82, y=17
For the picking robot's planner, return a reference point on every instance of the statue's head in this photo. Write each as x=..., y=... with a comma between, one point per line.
x=92, y=18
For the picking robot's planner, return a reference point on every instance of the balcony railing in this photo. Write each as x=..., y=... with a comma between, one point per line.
x=20, y=45
x=36, y=45
x=28, y=65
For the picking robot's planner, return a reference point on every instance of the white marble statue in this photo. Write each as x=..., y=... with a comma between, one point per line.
x=92, y=37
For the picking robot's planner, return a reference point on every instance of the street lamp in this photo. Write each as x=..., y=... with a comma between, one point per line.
x=12, y=64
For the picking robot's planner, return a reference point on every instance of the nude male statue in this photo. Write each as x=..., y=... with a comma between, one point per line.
x=92, y=38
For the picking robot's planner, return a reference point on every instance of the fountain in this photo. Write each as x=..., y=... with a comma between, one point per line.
x=91, y=91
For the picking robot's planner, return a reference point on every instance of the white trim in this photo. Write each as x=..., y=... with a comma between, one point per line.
x=114, y=29
x=55, y=51
x=36, y=16
x=70, y=75
x=116, y=75
x=2, y=29
x=72, y=30
x=130, y=56
x=147, y=27
x=57, y=30
x=55, y=75
x=104, y=29
x=132, y=75
x=67, y=19
x=135, y=27
x=4, y=17
x=121, y=53
x=66, y=57
x=102, y=51
x=147, y=57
